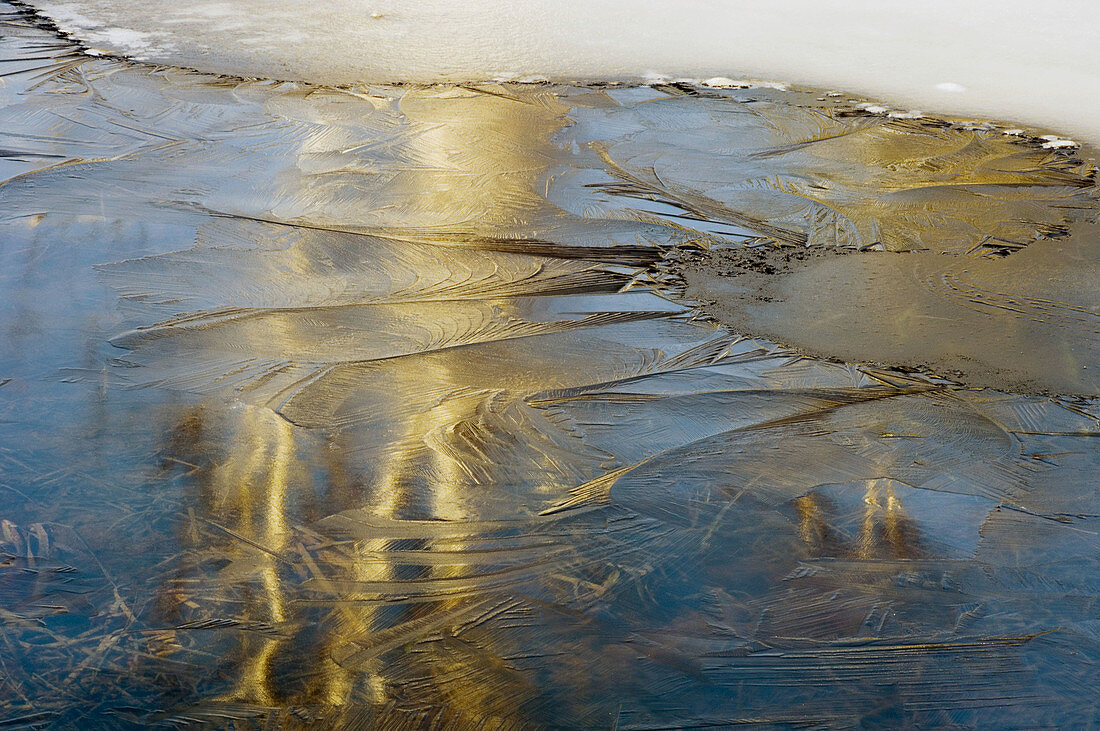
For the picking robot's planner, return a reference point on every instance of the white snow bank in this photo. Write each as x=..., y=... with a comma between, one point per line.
x=1015, y=59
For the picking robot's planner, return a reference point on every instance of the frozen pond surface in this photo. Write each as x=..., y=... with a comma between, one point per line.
x=386, y=407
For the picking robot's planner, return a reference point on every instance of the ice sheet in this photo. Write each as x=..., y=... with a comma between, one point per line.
x=384, y=408
x=1010, y=59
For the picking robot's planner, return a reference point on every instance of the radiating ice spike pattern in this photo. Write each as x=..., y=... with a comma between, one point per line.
x=384, y=408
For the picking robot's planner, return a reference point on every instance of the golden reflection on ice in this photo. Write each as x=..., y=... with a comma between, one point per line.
x=475, y=153
x=477, y=156
x=885, y=528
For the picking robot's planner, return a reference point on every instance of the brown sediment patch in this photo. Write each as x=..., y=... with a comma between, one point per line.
x=1027, y=323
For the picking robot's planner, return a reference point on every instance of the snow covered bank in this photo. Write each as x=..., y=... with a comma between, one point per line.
x=1012, y=59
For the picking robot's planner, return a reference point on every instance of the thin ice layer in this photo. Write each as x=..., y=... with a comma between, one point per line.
x=316, y=411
